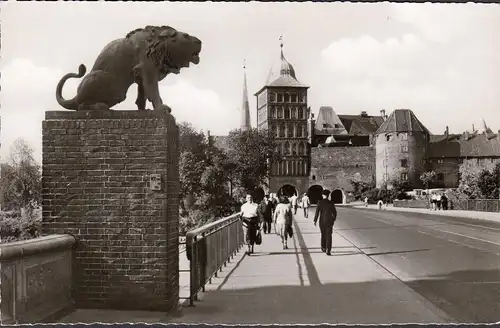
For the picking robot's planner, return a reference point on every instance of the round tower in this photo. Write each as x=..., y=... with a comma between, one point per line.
x=401, y=145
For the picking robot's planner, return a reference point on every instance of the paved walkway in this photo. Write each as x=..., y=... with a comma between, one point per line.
x=490, y=216
x=298, y=285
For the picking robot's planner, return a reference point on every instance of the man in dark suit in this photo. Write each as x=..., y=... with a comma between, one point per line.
x=265, y=213
x=327, y=214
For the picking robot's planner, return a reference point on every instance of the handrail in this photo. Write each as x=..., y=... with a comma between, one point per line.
x=210, y=247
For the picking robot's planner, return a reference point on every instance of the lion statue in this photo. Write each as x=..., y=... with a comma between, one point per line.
x=145, y=56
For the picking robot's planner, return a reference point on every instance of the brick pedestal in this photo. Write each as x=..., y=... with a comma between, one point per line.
x=96, y=172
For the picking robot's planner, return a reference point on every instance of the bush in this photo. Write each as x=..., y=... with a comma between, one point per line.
x=16, y=226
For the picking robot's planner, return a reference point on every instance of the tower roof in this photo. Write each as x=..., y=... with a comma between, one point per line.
x=286, y=77
x=402, y=120
x=245, y=107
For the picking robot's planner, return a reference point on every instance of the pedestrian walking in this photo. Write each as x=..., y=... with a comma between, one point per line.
x=283, y=218
x=326, y=213
x=293, y=201
x=366, y=201
x=266, y=214
x=380, y=203
x=306, y=202
x=444, y=202
x=251, y=226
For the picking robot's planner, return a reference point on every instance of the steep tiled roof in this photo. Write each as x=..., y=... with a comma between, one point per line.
x=328, y=122
x=286, y=81
x=402, y=120
x=457, y=145
x=357, y=124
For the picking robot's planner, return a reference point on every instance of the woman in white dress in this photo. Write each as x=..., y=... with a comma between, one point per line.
x=282, y=219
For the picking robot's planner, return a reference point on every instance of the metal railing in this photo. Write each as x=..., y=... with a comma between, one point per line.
x=209, y=248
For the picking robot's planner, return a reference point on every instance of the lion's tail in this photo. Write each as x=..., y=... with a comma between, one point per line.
x=72, y=103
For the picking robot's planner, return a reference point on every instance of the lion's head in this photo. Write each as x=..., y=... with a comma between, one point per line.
x=172, y=50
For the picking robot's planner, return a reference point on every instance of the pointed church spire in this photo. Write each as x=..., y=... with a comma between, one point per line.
x=245, y=108
x=281, y=46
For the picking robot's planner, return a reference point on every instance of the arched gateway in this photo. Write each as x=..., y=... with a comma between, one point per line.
x=314, y=193
x=337, y=196
x=287, y=190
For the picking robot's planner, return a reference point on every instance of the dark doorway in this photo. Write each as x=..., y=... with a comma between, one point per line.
x=337, y=196
x=258, y=195
x=314, y=193
x=287, y=190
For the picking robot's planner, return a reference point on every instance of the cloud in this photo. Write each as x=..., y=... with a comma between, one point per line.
x=28, y=91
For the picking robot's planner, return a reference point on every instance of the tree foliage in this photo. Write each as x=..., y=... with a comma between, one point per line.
x=251, y=151
x=21, y=180
x=488, y=182
x=428, y=178
x=468, y=184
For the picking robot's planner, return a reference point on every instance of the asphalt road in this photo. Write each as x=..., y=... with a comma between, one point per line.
x=452, y=262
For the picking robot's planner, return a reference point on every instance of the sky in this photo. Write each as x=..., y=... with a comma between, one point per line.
x=439, y=60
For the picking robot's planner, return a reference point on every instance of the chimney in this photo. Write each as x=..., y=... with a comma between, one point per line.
x=473, y=128
x=466, y=135
x=382, y=113
x=364, y=114
x=447, y=133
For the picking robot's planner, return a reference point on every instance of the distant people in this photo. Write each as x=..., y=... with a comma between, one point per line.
x=266, y=214
x=327, y=214
x=293, y=201
x=380, y=203
x=438, y=201
x=444, y=202
x=306, y=202
x=283, y=218
x=366, y=201
x=250, y=218
x=434, y=201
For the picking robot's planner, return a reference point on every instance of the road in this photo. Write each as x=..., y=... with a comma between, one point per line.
x=452, y=262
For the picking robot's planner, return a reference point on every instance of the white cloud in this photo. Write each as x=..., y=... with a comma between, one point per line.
x=29, y=90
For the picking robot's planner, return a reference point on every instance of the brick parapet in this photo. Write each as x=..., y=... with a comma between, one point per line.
x=96, y=169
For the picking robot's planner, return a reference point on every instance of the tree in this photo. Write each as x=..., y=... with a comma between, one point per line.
x=251, y=151
x=22, y=181
x=487, y=184
x=468, y=184
x=427, y=178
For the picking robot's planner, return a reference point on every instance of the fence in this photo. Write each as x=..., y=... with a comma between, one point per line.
x=209, y=248
x=482, y=205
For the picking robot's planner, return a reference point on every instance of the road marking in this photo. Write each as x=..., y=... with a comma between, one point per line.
x=459, y=234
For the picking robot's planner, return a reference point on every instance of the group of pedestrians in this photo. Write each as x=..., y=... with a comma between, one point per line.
x=279, y=212
x=439, y=201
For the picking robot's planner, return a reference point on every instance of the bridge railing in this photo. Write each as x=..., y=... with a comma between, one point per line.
x=209, y=248
x=36, y=278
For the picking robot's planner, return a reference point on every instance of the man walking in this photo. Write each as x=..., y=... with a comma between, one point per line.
x=327, y=214
x=305, y=205
x=266, y=214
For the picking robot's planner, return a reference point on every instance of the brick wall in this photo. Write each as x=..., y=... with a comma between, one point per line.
x=334, y=167
x=96, y=168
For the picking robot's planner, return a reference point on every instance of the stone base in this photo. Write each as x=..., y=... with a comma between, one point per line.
x=97, y=168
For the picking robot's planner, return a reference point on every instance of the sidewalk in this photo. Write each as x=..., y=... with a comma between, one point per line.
x=301, y=285
x=489, y=216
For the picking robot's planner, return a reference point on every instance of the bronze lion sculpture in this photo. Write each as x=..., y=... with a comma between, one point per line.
x=145, y=56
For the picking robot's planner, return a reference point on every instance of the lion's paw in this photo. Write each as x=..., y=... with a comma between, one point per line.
x=164, y=107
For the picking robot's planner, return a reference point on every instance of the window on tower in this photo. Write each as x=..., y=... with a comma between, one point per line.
x=280, y=97
x=404, y=148
x=287, y=113
x=404, y=163
x=280, y=112
x=290, y=131
x=282, y=130
x=301, y=149
x=287, y=148
x=287, y=97
x=294, y=112
x=294, y=97
x=301, y=113
x=294, y=149
x=272, y=97
x=404, y=176
x=303, y=98
x=272, y=112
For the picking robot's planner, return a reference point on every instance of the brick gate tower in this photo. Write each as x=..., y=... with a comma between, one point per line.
x=282, y=109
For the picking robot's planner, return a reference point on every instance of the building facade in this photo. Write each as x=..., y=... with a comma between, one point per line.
x=282, y=110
